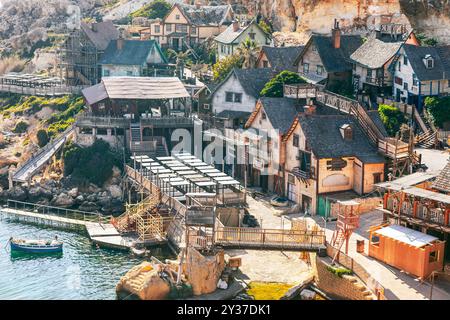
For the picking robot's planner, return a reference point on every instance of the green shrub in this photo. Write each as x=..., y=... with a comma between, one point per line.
x=438, y=110
x=392, y=118
x=93, y=164
x=153, y=10
x=339, y=271
x=274, y=88
x=21, y=127
x=223, y=67
x=42, y=137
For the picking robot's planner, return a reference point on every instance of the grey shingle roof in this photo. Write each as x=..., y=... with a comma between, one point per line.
x=282, y=58
x=441, y=56
x=375, y=116
x=442, y=182
x=323, y=135
x=375, y=53
x=281, y=112
x=205, y=15
x=232, y=114
x=335, y=60
x=104, y=32
x=254, y=80
x=133, y=52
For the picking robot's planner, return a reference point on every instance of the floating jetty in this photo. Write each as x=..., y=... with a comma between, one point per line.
x=99, y=228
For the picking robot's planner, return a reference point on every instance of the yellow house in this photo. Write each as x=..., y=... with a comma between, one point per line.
x=328, y=153
x=188, y=24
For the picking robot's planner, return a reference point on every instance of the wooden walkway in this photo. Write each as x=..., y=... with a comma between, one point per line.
x=102, y=233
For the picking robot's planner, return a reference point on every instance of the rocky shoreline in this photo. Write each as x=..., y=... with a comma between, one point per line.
x=67, y=193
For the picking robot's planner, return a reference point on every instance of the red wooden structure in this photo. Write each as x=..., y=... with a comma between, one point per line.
x=348, y=220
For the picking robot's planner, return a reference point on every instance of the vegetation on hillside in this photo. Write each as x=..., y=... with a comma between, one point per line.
x=93, y=164
x=156, y=9
x=438, y=110
x=426, y=41
x=392, y=118
x=223, y=67
x=274, y=88
x=266, y=26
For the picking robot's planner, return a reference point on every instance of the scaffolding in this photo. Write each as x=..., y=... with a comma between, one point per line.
x=78, y=60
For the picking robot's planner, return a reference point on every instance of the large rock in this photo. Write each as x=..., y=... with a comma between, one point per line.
x=115, y=191
x=63, y=200
x=144, y=282
x=73, y=192
x=88, y=206
x=17, y=193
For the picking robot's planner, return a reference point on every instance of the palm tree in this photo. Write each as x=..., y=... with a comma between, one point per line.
x=249, y=51
x=181, y=59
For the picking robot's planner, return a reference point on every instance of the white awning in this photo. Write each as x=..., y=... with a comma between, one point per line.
x=406, y=235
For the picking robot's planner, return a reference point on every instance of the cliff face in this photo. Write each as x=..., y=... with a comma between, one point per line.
x=305, y=16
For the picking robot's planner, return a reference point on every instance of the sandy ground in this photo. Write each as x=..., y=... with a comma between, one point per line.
x=434, y=159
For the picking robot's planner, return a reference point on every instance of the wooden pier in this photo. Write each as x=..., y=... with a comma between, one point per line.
x=99, y=228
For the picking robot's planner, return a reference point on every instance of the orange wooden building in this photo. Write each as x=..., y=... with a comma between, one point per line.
x=412, y=251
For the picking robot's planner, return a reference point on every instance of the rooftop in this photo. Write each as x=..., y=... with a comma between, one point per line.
x=100, y=33
x=229, y=35
x=375, y=53
x=133, y=52
x=140, y=88
x=281, y=112
x=406, y=235
x=282, y=58
x=323, y=135
x=440, y=55
x=442, y=182
x=205, y=15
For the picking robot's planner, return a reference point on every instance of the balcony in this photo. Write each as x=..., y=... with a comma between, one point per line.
x=300, y=91
x=124, y=122
x=378, y=81
x=301, y=174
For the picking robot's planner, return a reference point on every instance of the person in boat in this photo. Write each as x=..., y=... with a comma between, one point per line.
x=55, y=242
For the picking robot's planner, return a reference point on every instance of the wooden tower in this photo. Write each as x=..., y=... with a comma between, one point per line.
x=348, y=220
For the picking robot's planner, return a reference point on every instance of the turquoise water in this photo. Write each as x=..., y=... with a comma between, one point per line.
x=80, y=272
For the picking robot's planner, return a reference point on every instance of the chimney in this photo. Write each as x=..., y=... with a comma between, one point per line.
x=336, y=35
x=235, y=26
x=309, y=109
x=120, y=43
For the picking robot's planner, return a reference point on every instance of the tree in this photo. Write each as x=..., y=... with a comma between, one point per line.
x=438, y=110
x=274, y=88
x=42, y=137
x=267, y=28
x=156, y=9
x=392, y=118
x=21, y=127
x=424, y=40
x=249, y=51
x=224, y=66
x=181, y=59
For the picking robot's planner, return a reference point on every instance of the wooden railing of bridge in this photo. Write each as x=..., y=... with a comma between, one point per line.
x=270, y=238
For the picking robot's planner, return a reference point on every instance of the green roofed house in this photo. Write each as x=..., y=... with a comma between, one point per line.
x=132, y=58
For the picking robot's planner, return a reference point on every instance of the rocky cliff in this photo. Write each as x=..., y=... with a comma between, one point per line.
x=431, y=17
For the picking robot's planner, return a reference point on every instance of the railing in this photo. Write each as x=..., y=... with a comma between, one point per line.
x=59, y=90
x=31, y=162
x=300, y=90
x=348, y=262
x=301, y=173
x=393, y=149
x=111, y=121
x=266, y=238
x=59, y=212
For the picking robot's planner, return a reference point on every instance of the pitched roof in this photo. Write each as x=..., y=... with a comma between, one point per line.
x=441, y=56
x=442, y=182
x=104, y=32
x=233, y=114
x=335, y=60
x=133, y=52
x=205, y=15
x=375, y=53
x=281, y=112
x=254, y=80
x=142, y=88
x=229, y=35
x=282, y=58
x=323, y=135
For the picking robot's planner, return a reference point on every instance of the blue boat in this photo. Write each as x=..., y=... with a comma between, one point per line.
x=36, y=246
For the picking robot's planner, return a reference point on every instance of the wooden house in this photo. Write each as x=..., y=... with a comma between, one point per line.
x=132, y=58
x=231, y=38
x=326, y=59
x=278, y=58
x=409, y=250
x=186, y=25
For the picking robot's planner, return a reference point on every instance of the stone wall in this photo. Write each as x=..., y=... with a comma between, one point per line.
x=345, y=287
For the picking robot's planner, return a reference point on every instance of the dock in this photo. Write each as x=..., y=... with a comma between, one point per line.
x=101, y=232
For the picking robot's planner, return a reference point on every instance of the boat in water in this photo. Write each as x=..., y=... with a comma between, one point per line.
x=36, y=246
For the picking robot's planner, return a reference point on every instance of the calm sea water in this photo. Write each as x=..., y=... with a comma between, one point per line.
x=80, y=272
